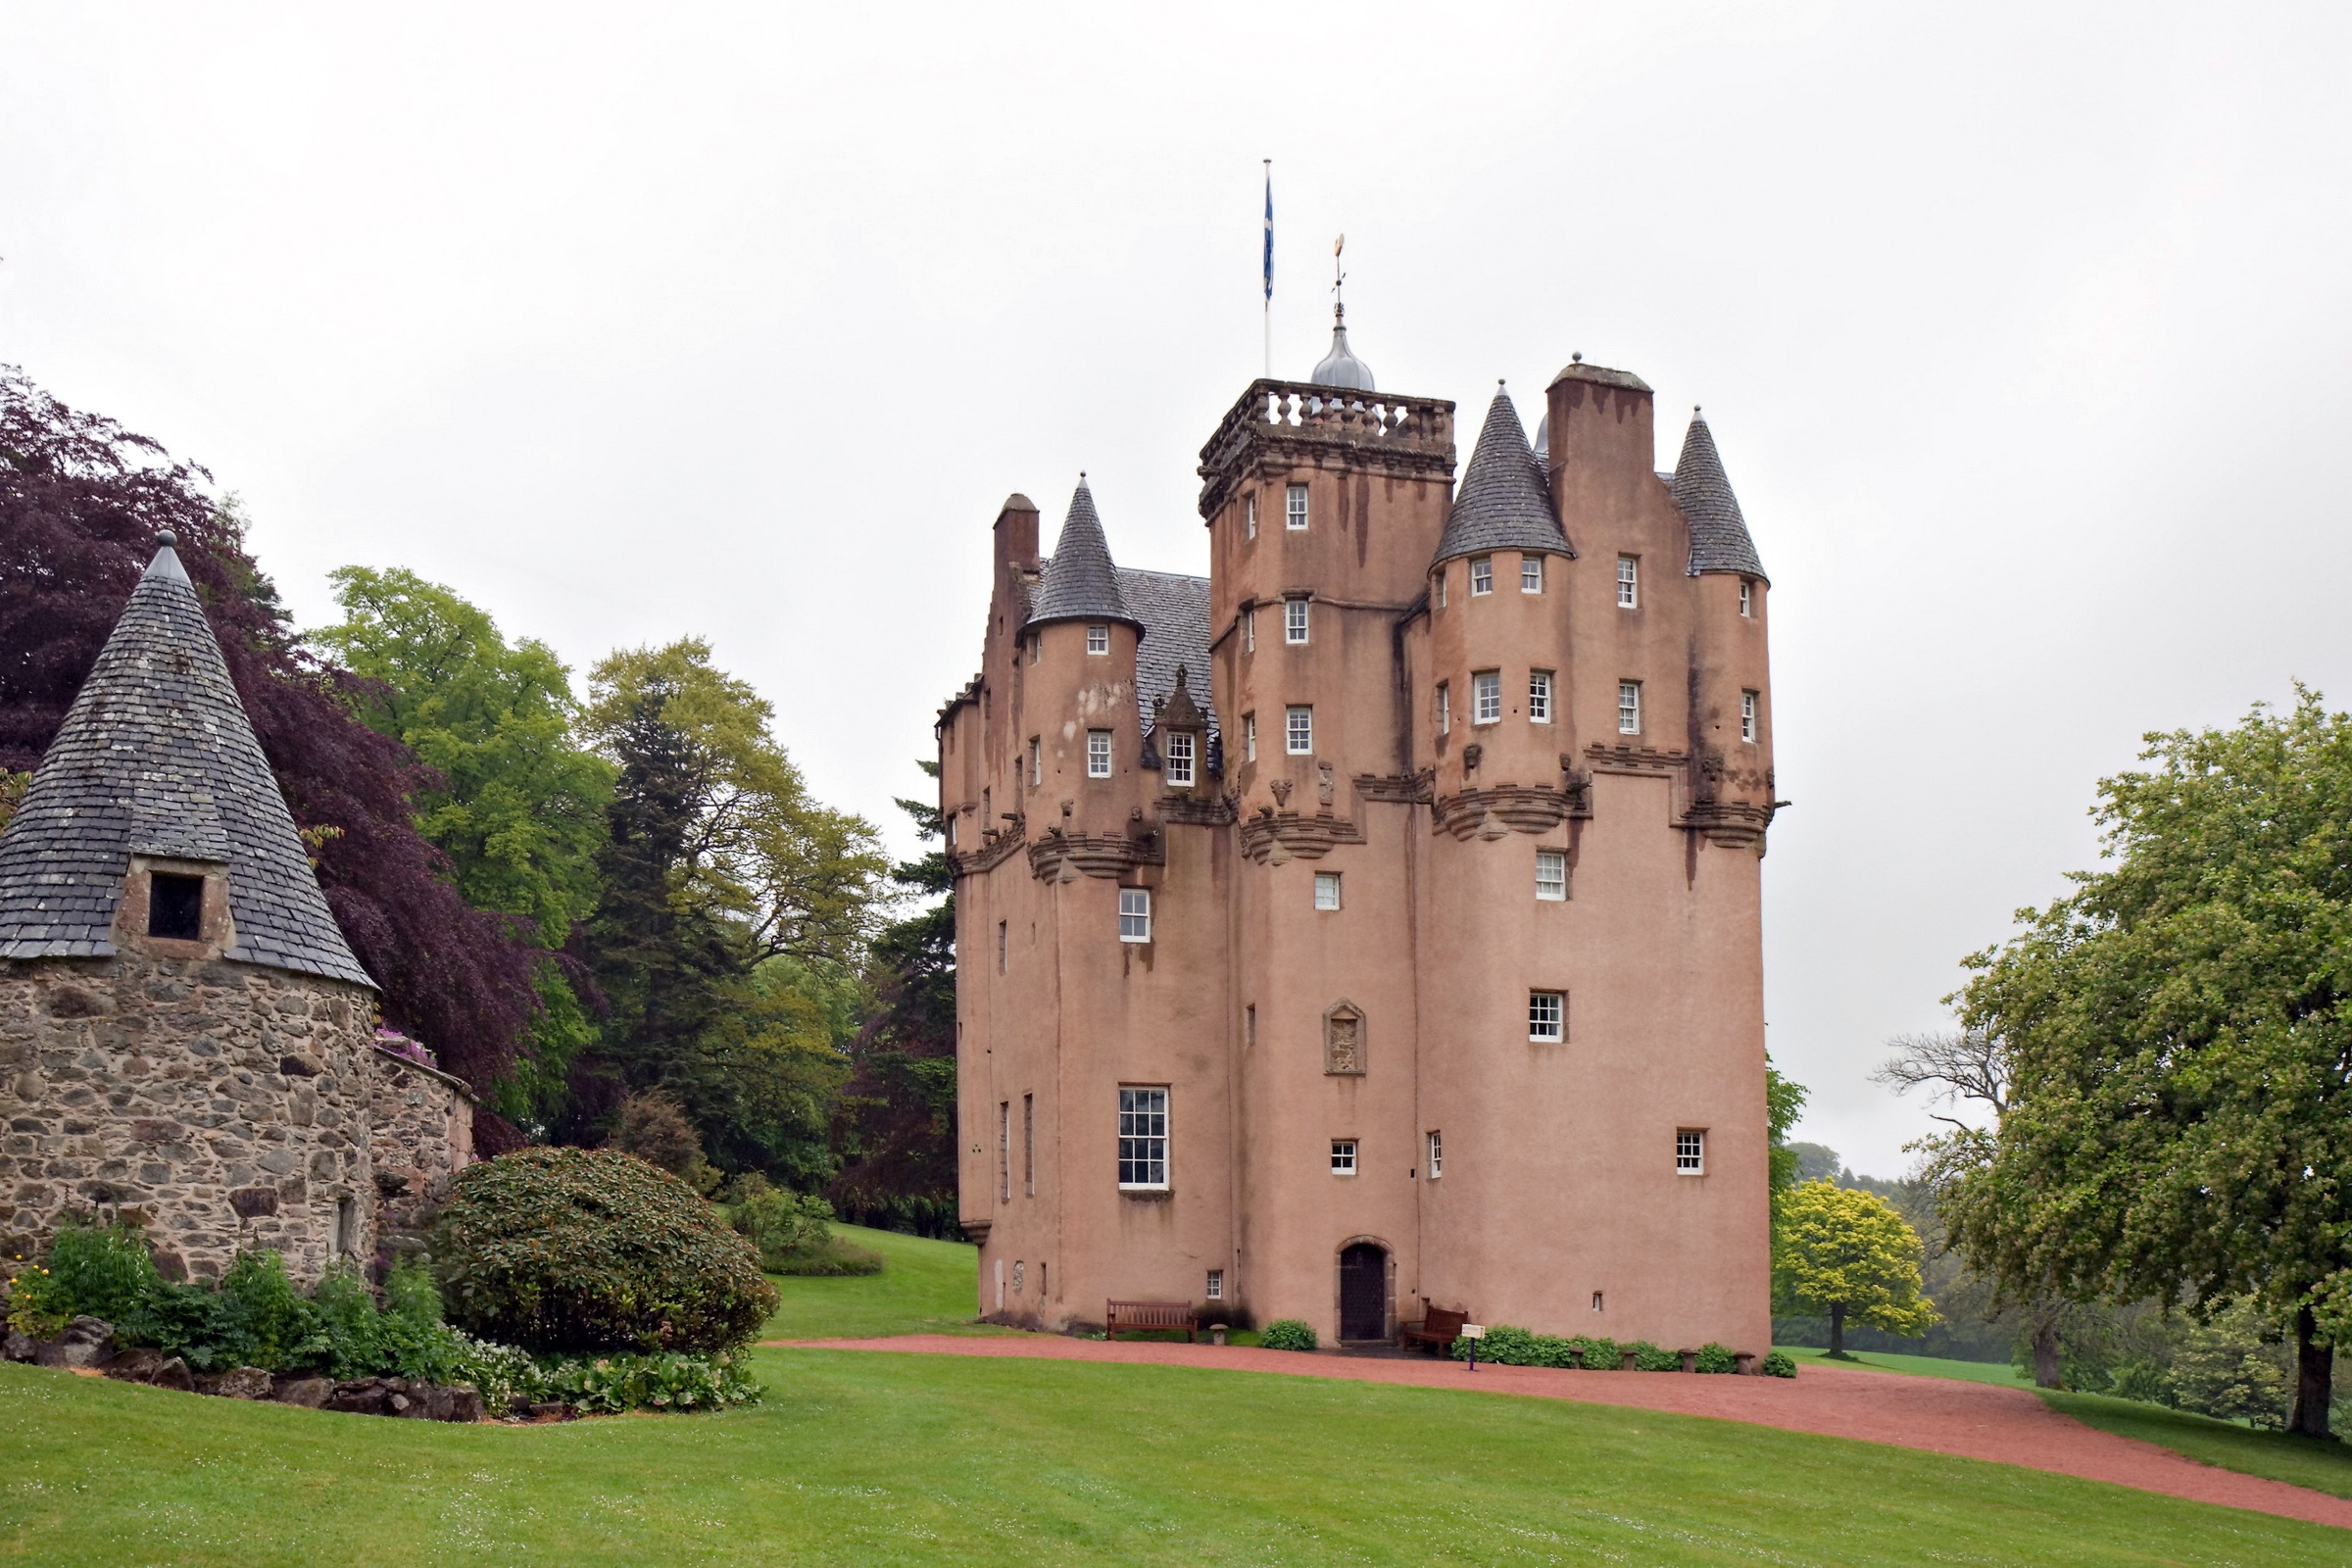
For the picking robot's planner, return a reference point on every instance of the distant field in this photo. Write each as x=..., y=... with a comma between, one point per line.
x=1926, y=1366
x=861, y=1461
x=925, y=1287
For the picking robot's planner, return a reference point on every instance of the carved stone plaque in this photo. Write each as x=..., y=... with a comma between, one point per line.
x=1343, y=1040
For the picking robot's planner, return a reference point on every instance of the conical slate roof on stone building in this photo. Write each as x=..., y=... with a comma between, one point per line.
x=155, y=756
x=1719, y=540
x=1080, y=582
x=1503, y=503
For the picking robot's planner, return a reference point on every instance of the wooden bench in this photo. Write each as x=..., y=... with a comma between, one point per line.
x=1131, y=1315
x=1439, y=1330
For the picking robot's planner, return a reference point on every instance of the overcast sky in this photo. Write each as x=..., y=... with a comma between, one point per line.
x=2021, y=329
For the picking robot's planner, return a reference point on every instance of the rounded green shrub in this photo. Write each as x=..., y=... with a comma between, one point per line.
x=1778, y=1365
x=1715, y=1358
x=573, y=1250
x=1286, y=1334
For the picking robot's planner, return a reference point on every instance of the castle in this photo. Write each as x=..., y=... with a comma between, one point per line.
x=1374, y=923
x=186, y=1039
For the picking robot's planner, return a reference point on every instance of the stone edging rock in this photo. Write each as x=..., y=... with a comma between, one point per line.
x=87, y=1345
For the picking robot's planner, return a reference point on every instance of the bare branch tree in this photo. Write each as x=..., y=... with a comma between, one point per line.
x=1962, y=1065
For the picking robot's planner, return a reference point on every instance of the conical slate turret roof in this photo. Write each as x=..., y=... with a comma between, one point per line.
x=1502, y=503
x=1719, y=540
x=155, y=756
x=1080, y=582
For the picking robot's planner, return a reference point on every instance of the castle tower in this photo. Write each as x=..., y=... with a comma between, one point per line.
x=187, y=1036
x=1442, y=984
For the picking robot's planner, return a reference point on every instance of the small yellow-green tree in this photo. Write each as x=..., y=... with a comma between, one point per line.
x=1846, y=1253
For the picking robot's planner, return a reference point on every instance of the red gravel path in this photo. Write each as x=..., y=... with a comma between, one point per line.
x=1974, y=1420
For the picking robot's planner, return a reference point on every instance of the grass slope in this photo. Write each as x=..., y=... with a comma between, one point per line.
x=1924, y=1366
x=925, y=1287
x=883, y=1460
x=2299, y=1461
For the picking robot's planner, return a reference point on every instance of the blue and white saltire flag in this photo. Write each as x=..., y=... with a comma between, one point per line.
x=1269, y=235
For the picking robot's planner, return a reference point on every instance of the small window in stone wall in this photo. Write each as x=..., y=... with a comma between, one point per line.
x=175, y=907
x=347, y=1226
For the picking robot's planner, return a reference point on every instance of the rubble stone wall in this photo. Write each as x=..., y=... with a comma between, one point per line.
x=420, y=1134
x=225, y=1105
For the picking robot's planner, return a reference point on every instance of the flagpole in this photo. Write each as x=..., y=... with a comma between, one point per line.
x=1267, y=308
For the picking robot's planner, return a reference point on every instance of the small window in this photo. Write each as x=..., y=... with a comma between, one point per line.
x=1486, y=697
x=1178, y=764
x=1037, y=761
x=1538, y=696
x=1597, y=1300
x=1747, y=717
x=1551, y=875
x=1249, y=1024
x=175, y=907
x=1548, y=1015
x=1249, y=515
x=1135, y=914
x=1294, y=621
x=1214, y=1289
x=1098, y=639
x=1004, y=1151
x=1531, y=575
x=1445, y=706
x=1098, y=754
x=1629, y=583
x=1029, y=1148
x=1343, y=1156
x=1143, y=1138
x=1327, y=890
x=1298, y=731
x=347, y=1226
x=1690, y=1153
x=1437, y=592
x=1249, y=630
x=1437, y=1157
x=1482, y=576
x=1629, y=708
x=1004, y=942
x=1037, y=646
x=1748, y=598
x=1295, y=507
x=1249, y=737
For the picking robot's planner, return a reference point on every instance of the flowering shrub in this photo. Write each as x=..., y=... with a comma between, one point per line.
x=590, y=1250
x=1286, y=1334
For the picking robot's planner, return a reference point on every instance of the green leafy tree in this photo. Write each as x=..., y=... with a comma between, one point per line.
x=1784, y=1104
x=894, y=1124
x=518, y=807
x=735, y=909
x=1849, y=1254
x=2178, y=1042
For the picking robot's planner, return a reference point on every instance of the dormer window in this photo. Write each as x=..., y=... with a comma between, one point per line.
x=1482, y=576
x=1178, y=766
x=1098, y=639
x=175, y=907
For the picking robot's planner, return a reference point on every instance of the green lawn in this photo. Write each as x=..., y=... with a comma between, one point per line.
x=2320, y=1466
x=1925, y=1366
x=876, y=1460
x=925, y=1287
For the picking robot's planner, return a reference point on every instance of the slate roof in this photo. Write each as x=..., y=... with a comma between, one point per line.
x=1719, y=540
x=1503, y=503
x=1172, y=610
x=1081, y=584
x=155, y=756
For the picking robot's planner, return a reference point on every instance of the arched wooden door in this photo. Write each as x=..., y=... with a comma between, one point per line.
x=1364, y=1292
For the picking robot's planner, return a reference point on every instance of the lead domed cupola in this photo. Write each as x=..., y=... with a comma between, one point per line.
x=1341, y=367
